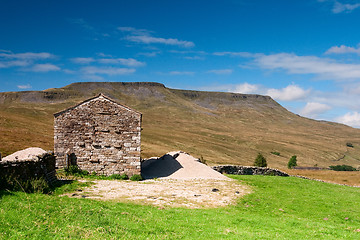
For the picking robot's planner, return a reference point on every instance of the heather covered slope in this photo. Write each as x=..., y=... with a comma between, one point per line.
x=220, y=127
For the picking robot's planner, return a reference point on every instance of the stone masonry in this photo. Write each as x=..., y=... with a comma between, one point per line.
x=249, y=170
x=27, y=168
x=98, y=135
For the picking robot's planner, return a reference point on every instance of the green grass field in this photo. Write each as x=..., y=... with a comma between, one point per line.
x=278, y=208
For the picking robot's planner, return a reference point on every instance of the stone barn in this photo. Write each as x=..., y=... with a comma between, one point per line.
x=98, y=135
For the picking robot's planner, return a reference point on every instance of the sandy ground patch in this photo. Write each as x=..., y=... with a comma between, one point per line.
x=196, y=193
x=176, y=179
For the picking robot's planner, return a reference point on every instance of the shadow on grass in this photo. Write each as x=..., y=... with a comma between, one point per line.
x=61, y=186
x=5, y=193
x=51, y=188
x=59, y=183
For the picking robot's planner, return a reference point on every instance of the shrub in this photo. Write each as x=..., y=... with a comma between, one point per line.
x=349, y=145
x=76, y=171
x=342, y=168
x=39, y=185
x=72, y=169
x=119, y=177
x=292, y=162
x=202, y=160
x=136, y=177
x=33, y=185
x=260, y=161
x=276, y=153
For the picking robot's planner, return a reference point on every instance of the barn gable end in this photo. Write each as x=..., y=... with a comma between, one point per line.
x=99, y=135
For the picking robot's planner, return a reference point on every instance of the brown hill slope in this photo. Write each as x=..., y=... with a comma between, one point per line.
x=221, y=127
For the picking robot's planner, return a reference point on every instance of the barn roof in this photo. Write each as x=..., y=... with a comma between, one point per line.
x=97, y=96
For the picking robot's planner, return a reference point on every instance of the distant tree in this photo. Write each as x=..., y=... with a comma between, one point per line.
x=342, y=168
x=292, y=162
x=276, y=153
x=349, y=145
x=260, y=161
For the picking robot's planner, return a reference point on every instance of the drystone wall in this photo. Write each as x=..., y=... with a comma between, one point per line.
x=249, y=170
x=41, y=166
x=98, y=136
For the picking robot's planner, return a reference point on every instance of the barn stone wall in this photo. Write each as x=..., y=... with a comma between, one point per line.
x=99, y=136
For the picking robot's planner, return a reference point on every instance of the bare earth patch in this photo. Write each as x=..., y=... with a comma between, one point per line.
x=196, y=193
x=177, y=179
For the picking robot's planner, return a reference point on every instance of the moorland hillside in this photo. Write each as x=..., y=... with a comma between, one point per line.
x=222, y=128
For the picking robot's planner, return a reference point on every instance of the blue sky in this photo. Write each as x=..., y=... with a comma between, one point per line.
x=304, y=54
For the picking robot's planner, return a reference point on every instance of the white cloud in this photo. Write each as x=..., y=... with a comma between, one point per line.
x=188, y=52
x=342, y=49
x=27, y=86
x=194, y=58
x=9, y=59
x=93, y=77
x=313, y=109
x=107, y=70
x=289, y=93
x=195, y=55
x=135, y=31
x=27, y=61
x=339, y=7
x=344, y=7
x=68, y=71
x=144, y=36
x=351, y=119
x=47, y=67
x=15, y=63
x=234, y=54
x=246, y=88
x=221, y=71
x=342, y=97
x=323, y=67
x=150, y=54
x=100, y=54
x=82, y=60
x=352, y=89
x=26, y=56
x=181, y=73
x=167, y=41
x=130, y=62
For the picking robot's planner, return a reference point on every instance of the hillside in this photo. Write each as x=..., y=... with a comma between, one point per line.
x=223, y=128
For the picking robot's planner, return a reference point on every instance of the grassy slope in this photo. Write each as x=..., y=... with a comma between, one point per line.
x=279, y=208
x=341, y=177
x=221, y=127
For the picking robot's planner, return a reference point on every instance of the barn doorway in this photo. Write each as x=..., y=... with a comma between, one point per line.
x=71, y=160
